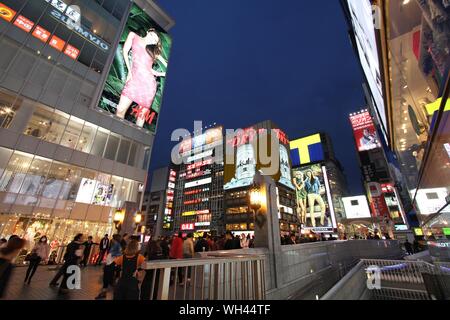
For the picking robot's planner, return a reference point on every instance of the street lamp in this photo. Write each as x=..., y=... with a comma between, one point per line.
x=137, y=220
x=119, y=216
x=256, y=202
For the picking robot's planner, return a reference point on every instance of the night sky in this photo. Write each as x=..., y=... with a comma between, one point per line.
x=239, y=62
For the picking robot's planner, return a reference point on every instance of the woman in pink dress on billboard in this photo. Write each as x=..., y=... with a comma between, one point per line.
x=141, y=85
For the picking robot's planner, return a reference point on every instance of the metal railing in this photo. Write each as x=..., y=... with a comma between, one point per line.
x=399, y=280
x=221, y=277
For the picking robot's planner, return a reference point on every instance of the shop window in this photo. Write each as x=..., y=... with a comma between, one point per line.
x=54, y=129
x=133, y=154
x=35, y=180
x=15, y=172
x=87, y=137
x=100, y=142
x=116, y=183
x=71, y=135
x=7, y=108
x=124, y=150
x=55, y=183
x=5, y=155
x=112, y=146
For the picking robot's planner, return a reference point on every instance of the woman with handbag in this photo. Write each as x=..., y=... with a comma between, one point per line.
x=39, y=253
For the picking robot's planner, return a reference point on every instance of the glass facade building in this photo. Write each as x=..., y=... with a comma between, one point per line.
x=65, y=165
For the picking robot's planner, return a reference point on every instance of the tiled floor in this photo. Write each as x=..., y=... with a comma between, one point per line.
x=91, y=283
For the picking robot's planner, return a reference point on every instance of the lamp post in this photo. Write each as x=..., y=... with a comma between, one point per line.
x=119, y=216
x=137, y=220
x=256, y=201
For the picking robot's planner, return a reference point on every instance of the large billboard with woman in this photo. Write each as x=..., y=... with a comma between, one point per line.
x=314, y=198
x=135, y=84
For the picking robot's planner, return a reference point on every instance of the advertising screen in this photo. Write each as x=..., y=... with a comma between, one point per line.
x=135, y=84
x=364, y=131
x=103, y=194
x=307, y=150
x=242, y=171
x=86, y=191
x=202, y=142
x=377, y=201
x=356, y=207
x=6, y=12
x=364, y=28
x=430, y=201
x=313, y=198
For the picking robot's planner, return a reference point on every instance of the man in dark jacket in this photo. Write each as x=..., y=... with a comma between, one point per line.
x=71, y=257
x=104, y=247
x=202, y=244
x=87, y=251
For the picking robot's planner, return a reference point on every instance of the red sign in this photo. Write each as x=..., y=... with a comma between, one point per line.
x=41, y=34
x=24, y=24
x=377, y=201
x=199, y=164
x=248, y=135
x=57, y=43
x=364, y=131
x=6, y=12
x=72, y=52
x=187, y=226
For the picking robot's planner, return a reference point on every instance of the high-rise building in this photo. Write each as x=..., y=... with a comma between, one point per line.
x=73, y=148
x=406, y=66
x=239, y=178
x=195, y=188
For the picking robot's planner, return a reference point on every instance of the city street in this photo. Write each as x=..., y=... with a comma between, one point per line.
x=91, y=283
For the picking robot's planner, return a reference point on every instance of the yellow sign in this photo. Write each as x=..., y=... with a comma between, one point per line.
x=189, y=213
x=435, y=106
x=418, y=232
x=302, y=152
x=6, y=12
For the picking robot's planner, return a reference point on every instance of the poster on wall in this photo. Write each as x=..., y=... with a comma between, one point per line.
x=103, y=194
x=364, y=131
x=313, y=205
x=356, y=207
x=86, y=191
x=135, y=84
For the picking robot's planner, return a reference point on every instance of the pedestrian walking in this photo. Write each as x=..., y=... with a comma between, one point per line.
x=72, y=256
x=109, y=269
x=202, y=244
x=40, y=252
x=7, y=255
x=104, y=246
x=87, y=251
x=130, y=263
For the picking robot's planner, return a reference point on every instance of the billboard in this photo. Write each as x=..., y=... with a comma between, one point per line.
x=356, y=207
x=366, y=43
x=364, y=131
x=430, y=201
x=198, y=143
x=377, y=201
x=246, y=163
x=314, y=205
x=135, y=84
x=307, y=150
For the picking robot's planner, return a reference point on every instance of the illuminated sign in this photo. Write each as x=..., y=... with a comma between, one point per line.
x=24, y=24
x=363, y=26
x=198, y=183
x=364, y=131
x=187, y=226
x=401, y=227
x=167, y=219
x=435, y=106
x=188, y=213
x=199, y=164
x=306, y=150
x=312, y=188
x=41, y=34
x=198, y=174
x=430, y=201
x=85, y=33
x=446, y=231
x=136, y=76
x=6, y=12
x=57, y=43
x=72, y=52
x=356, y=207
x=418, y=232
x=200, y=156
x=202, y=224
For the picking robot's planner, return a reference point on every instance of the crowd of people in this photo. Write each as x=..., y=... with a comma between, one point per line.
x=123, y=256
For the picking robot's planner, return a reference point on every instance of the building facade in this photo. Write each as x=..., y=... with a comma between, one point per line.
x=406, y=51
x=66, y=163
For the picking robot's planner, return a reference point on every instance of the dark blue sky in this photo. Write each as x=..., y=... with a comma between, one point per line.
x=238, y=62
